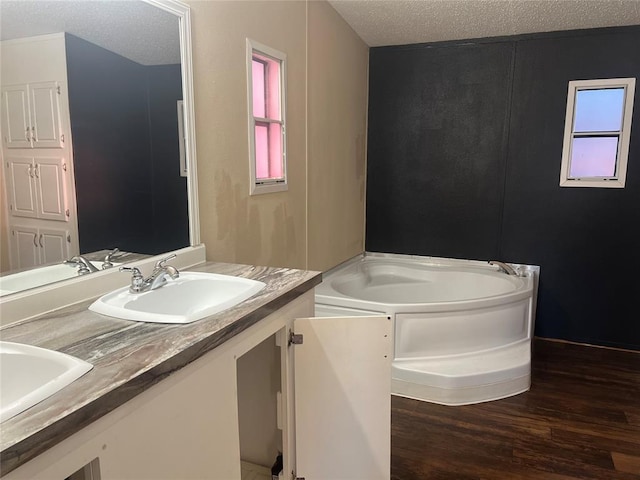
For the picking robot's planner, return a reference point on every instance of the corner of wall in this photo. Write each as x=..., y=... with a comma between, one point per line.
x=337, y=127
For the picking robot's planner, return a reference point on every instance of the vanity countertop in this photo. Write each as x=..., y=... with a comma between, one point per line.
x=128, y=357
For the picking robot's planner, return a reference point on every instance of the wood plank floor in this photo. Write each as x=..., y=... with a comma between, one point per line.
x=580, y=420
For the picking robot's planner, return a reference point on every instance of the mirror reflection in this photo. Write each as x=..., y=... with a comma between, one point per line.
x=91, y=98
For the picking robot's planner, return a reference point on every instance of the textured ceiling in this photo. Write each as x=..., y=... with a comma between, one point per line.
x=133, y=29
x=149, y=35
x=399, y=22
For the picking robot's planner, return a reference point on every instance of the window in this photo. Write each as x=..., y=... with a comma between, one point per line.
x=266, y=101
x=597, y=132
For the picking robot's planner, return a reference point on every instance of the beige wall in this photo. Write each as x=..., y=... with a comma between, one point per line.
x=274, y=229
x=337, y=106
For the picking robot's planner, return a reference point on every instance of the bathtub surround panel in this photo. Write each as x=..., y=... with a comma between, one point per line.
x=499, y=197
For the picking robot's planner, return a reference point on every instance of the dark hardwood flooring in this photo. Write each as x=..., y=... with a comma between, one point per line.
x=580, y=420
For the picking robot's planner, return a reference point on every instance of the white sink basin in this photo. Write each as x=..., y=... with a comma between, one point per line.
x=191, y=297
x=30, y=374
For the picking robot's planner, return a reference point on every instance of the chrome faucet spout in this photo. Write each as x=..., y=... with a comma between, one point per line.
x=157, y=279
x=160, y=275
x=503, y=267
x=85, y=266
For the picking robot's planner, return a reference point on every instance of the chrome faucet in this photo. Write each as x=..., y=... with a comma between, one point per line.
x=158, y=277
x=107, y=263
x=85, y=266
x=503, y=267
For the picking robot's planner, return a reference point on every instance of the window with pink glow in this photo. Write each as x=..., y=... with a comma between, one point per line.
x=266, y=72
x=597, y=132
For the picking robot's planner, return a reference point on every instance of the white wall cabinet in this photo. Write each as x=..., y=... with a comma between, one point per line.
x=34, y=246
x=37, y=154
x=335, y=418
x=36, y=187
x=31, y=115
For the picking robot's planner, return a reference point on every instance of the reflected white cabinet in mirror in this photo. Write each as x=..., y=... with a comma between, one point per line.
x=101, y=197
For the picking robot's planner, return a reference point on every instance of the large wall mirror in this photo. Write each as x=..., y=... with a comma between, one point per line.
x=130, y=108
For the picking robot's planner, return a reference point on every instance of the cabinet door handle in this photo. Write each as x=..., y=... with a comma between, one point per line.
x=33, y=134
x=35, y=240
x=40, y=241
x=30, y=171
x=26, y=135
x=36, y=171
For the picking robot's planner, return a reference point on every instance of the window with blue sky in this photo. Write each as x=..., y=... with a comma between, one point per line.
x=597, y=131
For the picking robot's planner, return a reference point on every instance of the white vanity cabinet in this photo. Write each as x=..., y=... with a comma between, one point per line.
x=33, y=246
x=333, y=409
x=31, y=115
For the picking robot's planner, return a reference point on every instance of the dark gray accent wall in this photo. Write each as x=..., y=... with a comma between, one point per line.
x=108, y=106
x=465, y=145
x=170, y=207
x=437, y=131
x=122, y=150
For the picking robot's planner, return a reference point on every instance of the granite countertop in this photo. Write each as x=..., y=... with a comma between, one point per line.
x=128, y=357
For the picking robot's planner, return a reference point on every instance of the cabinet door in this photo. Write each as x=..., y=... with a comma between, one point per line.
x=16, y=124
x=49, y=177
x=343, y=398
x=54, y=245
x=21, y=187
x=45, y=115
x=26, y=251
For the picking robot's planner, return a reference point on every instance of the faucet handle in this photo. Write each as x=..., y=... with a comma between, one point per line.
x=160, y=263
x=137, y=279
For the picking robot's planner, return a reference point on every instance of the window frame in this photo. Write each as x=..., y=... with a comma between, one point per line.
x=260, y=186
x=624, y=134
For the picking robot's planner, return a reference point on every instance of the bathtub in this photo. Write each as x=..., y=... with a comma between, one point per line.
x=462, y=329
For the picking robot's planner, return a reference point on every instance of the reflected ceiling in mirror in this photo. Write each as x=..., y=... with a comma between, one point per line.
x=124, y=80
x=133, y=29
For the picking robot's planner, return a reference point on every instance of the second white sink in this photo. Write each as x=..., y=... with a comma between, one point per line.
x=30, y=374
x=191, y=297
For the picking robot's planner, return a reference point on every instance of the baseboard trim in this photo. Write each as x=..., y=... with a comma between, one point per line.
x=559, y=340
